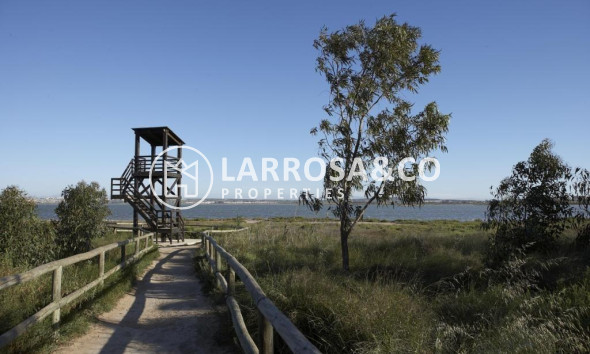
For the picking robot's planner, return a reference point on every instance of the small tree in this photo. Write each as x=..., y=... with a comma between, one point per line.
x=532, y=205
x=24, y=238
x=368, y=71
x=81, y=217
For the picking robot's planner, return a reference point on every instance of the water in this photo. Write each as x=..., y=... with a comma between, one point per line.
x=463, y=212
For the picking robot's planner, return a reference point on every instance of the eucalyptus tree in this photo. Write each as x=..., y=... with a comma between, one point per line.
x=370, y=123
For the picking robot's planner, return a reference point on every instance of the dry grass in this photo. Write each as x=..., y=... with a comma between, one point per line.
x=413, y=287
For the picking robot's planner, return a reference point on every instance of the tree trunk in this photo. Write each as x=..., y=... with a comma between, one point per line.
x=344, y=247
x=345, y=229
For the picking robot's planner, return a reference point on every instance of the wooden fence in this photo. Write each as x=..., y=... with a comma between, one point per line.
x=270, y=318
x=57, y=268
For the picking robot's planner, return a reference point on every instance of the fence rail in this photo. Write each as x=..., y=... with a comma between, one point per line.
x=270, y=318
x=57, y=268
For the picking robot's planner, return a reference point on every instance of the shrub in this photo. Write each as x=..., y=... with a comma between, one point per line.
x=24, y=238
x=81, y=217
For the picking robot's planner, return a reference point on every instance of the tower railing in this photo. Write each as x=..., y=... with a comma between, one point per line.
x=144, y=163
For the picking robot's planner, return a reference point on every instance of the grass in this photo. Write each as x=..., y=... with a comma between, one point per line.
x=197, y=225
x=21, y=301
x=415, y=286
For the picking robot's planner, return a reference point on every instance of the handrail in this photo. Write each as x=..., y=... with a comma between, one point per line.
x=57, y=267
x=270, y=317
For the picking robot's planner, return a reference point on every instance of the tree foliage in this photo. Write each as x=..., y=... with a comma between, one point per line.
x=369, y=71
x=532, y=205
x=581, y=197
x=81, y=217
x=24, y=238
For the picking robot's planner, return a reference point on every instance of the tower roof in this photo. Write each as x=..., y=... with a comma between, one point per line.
x=155, y=136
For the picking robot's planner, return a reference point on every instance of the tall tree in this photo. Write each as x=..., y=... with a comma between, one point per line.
x=81, y=217
x=370, y=71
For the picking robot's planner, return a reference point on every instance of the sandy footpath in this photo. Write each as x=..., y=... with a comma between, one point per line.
x=166, y=313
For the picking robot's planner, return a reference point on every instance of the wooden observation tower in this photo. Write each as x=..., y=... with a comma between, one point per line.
x=134, y=187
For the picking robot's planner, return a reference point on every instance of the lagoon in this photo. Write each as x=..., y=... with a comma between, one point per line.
x=462, y=212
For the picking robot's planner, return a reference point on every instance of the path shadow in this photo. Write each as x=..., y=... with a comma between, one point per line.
x=178, y=290
x=119, y=339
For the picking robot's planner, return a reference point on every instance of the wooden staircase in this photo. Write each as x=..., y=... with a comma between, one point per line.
x=134, y=188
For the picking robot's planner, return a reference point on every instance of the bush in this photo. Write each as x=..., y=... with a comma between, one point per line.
x=81, y=217
x=532, y=205
x=24, y=238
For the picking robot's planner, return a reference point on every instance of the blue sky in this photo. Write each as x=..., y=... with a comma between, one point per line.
x=237, y=79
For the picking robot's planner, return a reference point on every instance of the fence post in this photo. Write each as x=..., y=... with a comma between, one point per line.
x=218, y=260
x=136, y=246
x=123, y=253
x=57, y=273
x=209, y=255
x=231, y=287
x=217, y=267
x=101, y=268
x=231, y=281
x=265, y=335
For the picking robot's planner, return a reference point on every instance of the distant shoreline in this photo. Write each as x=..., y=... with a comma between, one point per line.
x=272, y=201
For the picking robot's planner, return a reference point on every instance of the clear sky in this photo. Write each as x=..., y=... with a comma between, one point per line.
x=238, y=79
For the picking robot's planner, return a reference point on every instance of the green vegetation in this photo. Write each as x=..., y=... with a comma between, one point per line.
x=21, y=301
x=26, y=242
x=417, y=287
x=520, y=283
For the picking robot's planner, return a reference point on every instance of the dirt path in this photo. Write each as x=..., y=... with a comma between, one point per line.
x=166, y=313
